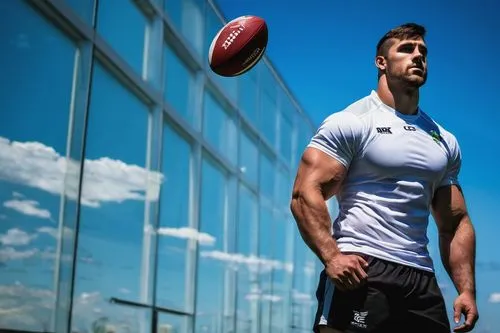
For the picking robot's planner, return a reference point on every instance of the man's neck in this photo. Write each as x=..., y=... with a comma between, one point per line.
x=403, y=100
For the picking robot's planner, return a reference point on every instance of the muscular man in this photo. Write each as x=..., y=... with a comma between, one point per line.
x=390, y=165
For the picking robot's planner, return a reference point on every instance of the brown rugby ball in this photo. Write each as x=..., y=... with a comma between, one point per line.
x=238, y=46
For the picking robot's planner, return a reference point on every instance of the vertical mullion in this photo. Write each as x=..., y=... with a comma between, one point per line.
x=195, y=199
x=69, y=212
x=152, y=73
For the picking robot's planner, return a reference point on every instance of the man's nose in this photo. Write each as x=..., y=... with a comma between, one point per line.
x=417, y=55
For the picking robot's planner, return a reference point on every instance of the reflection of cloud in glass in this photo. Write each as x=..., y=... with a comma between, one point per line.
x=252, y=262
x=67, y=233
x=25, y=308
x=16, y=237
x=124, y=291
x=494, y=298
x=27, y=207
x=10, y=253
x=188, y=233
x=299, y=297
x=29, y=308
x=105, y=180
x=263, y=297
x=309, y=268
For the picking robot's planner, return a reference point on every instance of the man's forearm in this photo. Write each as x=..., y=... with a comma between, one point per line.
x=314, y=223
x=458, y=252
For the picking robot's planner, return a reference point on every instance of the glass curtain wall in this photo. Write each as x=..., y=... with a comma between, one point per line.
x=140, y=192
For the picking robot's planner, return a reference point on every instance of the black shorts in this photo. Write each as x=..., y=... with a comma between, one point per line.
x=396, y=298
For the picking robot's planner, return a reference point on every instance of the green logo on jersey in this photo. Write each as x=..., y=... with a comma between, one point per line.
x=436, y=136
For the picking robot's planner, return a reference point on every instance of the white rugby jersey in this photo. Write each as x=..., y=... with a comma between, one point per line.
x=395, y=163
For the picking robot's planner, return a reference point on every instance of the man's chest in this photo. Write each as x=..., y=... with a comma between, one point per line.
x=396, y=148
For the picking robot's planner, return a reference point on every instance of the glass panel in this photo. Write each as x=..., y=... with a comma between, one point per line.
x=249, y=158
x=84, y=8
x=268, y=81
x=267, y=122
x=304, y=284
x=115, y=187
x=304, y=137
x=248, y=97
x=246, y=312
x=180, y=85
x=110, y=318
x=283, y=191
x=213, y=257
x=279, y=277
x=168, y=323
x=266, y=264
x=219, y=128
x=228, y=84
x=34, y=120
x=130, y=23
x=174, y=231
x=286, y=139
x=187, y=17
x=267, y=172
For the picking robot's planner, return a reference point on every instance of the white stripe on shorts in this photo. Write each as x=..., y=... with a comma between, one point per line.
x=328, y=297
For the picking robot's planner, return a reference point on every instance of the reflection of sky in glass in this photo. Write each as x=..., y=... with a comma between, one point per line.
x=114, y=243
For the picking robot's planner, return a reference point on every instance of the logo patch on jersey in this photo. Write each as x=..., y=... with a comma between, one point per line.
x=436, y=136
x=384, y=130
x=410, y=128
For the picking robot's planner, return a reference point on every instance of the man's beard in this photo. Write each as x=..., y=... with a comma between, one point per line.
x=410, y=81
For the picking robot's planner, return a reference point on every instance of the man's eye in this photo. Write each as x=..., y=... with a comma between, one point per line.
x=406, y=49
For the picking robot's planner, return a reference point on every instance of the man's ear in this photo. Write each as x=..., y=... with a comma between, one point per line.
x=381, y=63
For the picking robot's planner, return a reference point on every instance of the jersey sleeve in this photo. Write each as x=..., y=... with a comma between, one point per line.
x=454, y=164
x=339, y=136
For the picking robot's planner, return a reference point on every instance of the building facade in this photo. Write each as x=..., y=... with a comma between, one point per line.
x=140, y=192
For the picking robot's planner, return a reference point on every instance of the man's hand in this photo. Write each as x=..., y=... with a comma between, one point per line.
x=347, y=271
x=465, y=304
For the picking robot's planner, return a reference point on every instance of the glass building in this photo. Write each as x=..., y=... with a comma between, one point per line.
x=139, y=191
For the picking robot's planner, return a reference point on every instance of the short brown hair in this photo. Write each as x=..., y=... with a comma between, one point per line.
x=404, y=31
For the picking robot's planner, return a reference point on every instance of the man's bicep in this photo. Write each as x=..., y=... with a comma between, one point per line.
x=317, y=169
x=448, y=207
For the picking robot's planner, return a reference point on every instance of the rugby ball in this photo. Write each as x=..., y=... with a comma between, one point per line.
x=238, y=46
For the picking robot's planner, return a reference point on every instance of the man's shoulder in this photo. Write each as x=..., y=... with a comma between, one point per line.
x=356, y=111
x=362, y=106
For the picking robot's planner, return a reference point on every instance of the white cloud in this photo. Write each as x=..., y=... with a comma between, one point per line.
x=253, y=263
x=16, y=237
x=29, y=308
x=301, y=297
x=188, y=233
x=309, y=268
x=25, y=308
x=27, y=207
x=54, y=232
x=124, y=291
x=9, y=253
x=105, y=180
x=494, y=298
x=263, y=297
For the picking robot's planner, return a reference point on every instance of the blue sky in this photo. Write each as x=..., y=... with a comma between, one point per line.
x=325, y=52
